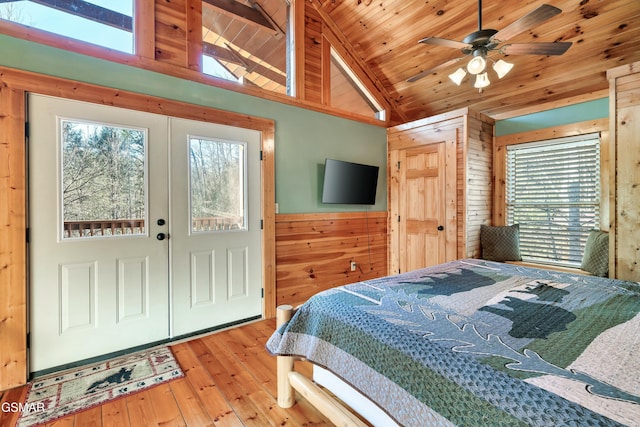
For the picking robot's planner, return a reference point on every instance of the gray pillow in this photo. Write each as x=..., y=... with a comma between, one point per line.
x=501, y=243
x=595, y=259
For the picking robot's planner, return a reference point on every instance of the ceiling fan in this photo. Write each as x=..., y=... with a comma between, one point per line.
x=480, y=43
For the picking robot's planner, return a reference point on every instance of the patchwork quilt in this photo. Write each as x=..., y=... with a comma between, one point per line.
x=479, y=343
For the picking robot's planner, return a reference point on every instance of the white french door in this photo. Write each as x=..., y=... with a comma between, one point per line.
x=216, y=235
x=117, y=244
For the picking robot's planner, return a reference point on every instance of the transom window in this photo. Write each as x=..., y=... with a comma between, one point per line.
x=107, y=23
x=246, y=41
x=553, y=193
x=348, y=92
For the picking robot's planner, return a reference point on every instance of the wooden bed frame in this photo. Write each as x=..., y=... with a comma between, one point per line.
x=290, y=381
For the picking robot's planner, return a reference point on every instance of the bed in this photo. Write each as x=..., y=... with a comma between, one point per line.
x=471, y=343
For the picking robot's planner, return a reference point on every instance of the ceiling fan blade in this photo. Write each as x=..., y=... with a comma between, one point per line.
x=557, y=48
x=527, y=22
x=444, y=42
x=425, y=73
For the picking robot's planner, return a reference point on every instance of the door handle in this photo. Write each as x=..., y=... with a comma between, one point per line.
x=440, y=228
x=161, y=236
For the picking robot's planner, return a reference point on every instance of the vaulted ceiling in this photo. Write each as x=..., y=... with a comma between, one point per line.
x=385, y=34
x=248, y=40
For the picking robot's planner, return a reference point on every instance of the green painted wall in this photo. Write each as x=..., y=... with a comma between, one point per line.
x=597, y=109
x=303, y=140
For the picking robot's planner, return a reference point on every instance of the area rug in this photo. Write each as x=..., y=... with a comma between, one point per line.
x=61, y=394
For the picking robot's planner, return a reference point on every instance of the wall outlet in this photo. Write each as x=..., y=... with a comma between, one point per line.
x=353, y=266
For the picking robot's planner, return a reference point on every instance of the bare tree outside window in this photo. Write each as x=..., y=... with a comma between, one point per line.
x=217, y=171
x=103, y=180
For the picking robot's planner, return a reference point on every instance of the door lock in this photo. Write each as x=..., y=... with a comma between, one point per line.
x=440, y=228
x=161, y=236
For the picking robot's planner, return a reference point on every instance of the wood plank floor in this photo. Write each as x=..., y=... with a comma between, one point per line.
x=230, y=380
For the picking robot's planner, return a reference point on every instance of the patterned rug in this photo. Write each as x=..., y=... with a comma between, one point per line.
x=61, y=394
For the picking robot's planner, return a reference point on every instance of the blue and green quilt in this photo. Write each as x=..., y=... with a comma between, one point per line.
x=479, y=343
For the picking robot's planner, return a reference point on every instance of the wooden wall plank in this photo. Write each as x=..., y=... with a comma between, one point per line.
x=144, y=37
x=312, y=61
x=171, y=32
x=478, y=184
x=626, y=233
x=193, y=22
x=314, y=251
x=13, y=252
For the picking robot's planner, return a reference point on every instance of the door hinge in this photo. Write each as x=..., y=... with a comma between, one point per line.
x=262, y=224
x=28, y=235
x=262, y=292
x=26, y=129
x=261, y=156
x=398, y=218
x=398, y=165
x=28, y=339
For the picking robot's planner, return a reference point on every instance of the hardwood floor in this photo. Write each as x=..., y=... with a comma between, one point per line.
x=230, y=380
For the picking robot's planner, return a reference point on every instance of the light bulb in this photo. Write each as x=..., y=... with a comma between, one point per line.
x=476, y=65
x=457, y=76
x=482, y=80
x=502, y=68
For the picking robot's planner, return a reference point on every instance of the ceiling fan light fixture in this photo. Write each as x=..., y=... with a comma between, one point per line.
x=457, y=76
x=502, y=68
x=477, y=65
x=482, y=81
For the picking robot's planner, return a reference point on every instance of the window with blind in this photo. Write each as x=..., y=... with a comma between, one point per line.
x=553, y=193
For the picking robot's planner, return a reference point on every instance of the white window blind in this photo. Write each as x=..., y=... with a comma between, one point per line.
x=553, y=193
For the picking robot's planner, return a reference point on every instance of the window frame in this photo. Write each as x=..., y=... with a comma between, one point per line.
x=571, y=240
x=537, y=131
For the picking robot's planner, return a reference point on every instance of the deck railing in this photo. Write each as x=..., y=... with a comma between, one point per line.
x=73, y=229
x=110, y=227
x=216, y=223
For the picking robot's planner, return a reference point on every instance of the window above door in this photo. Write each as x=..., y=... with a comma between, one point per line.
x=106, y=23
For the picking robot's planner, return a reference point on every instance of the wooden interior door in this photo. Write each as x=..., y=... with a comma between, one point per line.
x=427, y=205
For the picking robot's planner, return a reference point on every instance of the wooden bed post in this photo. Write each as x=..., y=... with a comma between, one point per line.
x=286, y=396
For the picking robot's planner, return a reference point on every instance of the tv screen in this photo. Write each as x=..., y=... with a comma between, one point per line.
x=349, y=183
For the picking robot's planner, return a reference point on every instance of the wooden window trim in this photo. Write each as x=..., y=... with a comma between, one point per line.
x=581, y=128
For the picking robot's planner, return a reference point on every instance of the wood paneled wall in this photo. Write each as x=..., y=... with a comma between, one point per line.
x=313, y=43
x=473, y=134
x=13, y=248
x=476, y=191
x=624, y=241
x=314, y=252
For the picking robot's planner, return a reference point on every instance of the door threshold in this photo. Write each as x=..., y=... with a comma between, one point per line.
x=119, y=353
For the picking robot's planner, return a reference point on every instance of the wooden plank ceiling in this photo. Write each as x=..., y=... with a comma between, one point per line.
x=247, y=37
x=385, y=34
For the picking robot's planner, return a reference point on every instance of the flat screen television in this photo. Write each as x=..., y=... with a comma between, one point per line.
x=349, y=183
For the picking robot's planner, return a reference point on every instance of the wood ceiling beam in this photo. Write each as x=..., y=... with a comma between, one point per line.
x=241, y=12
x=231, y=56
